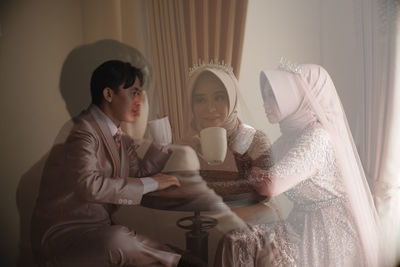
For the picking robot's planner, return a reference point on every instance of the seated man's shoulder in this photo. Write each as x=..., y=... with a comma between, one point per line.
x=83, y=125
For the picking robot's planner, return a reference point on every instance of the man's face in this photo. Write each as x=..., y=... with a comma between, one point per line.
x=125, y=104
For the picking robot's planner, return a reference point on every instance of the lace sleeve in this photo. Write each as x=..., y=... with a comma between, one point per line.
x=303, y=160
x=260, y=151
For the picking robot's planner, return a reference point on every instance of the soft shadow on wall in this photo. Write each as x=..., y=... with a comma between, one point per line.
x=75, y=90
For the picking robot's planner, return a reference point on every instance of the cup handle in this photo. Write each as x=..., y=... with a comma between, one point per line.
x=201, y=156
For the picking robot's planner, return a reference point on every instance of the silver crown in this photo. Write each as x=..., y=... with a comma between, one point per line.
x=286, y=65
x=212, y=64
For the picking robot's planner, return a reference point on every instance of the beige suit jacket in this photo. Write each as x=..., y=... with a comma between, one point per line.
x=85, y=179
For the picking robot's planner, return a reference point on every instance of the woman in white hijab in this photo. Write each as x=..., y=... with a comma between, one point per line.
x=316, y=165
x=214, y=101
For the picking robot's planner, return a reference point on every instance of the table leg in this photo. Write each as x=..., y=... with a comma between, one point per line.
x=197, y=239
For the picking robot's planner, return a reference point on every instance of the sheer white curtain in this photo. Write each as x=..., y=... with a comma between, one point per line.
x=380, y=146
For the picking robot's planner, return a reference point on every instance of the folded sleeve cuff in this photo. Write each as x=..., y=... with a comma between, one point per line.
x=149, y=185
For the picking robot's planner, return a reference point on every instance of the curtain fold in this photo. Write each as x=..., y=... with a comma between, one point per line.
x=380, y=148
x=184, y=32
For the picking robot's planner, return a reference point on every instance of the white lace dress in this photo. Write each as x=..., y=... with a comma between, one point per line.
x=319, y=230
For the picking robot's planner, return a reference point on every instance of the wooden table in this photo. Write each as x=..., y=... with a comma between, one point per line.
x=195, y=195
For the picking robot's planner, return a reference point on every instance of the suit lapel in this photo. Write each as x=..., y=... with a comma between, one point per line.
x=124, y=159
x=103, y=130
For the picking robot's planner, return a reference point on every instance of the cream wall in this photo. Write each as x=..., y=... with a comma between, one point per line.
x=37, y=36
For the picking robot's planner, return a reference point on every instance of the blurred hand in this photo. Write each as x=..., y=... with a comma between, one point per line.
x=240, y=140
x=165, y=181
x=160, y=131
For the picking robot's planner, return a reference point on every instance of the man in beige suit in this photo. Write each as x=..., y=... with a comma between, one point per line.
x=96, y=170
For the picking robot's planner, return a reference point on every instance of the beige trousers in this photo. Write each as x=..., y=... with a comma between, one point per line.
x=104, y=245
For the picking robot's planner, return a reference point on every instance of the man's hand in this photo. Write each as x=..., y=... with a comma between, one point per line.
x=165, y=181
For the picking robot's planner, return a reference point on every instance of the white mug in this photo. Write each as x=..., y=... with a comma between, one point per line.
x=213, y=145
x=160, y=131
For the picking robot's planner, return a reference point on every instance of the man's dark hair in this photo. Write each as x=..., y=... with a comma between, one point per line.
x=113, y=74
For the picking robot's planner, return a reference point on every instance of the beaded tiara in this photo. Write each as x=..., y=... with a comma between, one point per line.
x=211, y=64
x=286, y=65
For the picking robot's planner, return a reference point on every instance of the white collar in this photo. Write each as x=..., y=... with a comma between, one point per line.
x=111, y=125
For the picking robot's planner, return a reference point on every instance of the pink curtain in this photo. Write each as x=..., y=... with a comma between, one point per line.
x=184, y=31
